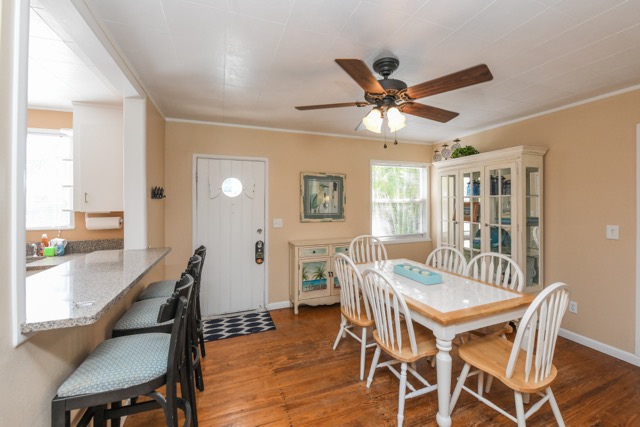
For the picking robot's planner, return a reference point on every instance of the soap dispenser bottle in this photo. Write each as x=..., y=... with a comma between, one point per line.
x=44, y=242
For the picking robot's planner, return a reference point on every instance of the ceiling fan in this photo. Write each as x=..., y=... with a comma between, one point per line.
x=392, y=96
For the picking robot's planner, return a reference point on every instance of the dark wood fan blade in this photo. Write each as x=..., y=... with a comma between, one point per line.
x=359, y=72
x=343, y=104
x=464, y=78
x=428, y=112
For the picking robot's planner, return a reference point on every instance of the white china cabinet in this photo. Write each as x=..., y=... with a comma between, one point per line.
x=492, y=202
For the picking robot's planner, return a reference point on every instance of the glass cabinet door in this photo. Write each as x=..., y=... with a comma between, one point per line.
x=532, y=226
x=448, y=203
x=471, y=213
x=499, y=220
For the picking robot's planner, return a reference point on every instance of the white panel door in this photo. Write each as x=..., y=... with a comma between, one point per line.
x=230, y=219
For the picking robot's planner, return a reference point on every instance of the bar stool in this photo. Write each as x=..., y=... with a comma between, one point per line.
x=164, y=288
x=132, y=366
x=140, y=319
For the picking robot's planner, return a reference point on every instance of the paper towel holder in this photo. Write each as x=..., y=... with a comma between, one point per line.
x=102, y=223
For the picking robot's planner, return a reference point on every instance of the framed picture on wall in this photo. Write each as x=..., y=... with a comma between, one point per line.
x=322, y=197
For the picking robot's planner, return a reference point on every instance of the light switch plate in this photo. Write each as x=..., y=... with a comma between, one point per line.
x=613, y=232
x=277, y=223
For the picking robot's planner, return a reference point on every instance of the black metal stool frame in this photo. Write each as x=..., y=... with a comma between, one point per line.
x=175, y=308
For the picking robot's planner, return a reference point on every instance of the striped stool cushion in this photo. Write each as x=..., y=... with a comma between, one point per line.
x=142, y=314
x=161, y=289
x=119, y=363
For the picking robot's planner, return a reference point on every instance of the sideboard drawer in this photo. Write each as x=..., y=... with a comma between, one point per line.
x=306, y=252
x=340, y=250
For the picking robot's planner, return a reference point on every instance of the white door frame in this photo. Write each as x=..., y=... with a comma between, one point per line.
x=637, y=171
x=194, y=210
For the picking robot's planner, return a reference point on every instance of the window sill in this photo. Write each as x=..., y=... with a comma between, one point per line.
x=401, y=240
x=50, y=228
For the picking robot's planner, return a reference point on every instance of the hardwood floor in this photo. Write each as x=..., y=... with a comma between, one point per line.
x=292, y=377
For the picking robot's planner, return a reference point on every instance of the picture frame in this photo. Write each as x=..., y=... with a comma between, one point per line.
x=322, y=197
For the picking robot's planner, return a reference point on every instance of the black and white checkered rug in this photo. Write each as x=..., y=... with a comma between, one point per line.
x=241, y=324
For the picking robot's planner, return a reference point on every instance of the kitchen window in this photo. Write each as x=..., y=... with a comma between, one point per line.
x=399, y=196
x=49, y=180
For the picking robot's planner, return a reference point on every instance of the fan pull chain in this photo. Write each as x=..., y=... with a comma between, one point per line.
x=395, y=140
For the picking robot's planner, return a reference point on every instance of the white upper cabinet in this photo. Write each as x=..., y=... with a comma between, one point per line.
x=98, y=158
x=492, y=202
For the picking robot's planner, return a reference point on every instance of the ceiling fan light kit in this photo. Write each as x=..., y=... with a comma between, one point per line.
x=395, y=119
x=373, y=120
x=394, y=97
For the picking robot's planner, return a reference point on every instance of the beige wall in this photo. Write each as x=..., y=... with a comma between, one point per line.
x=589, y=182
x=47, y=119
x=288, y=154
x=155, y=176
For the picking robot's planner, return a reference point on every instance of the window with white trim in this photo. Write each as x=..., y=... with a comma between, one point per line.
x=399, y=195
x=49, y=180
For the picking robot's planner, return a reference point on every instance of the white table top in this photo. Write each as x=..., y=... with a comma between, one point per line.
x=456, y=298
x=80, y=291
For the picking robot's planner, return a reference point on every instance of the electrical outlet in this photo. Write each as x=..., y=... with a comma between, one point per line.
x=573, y=307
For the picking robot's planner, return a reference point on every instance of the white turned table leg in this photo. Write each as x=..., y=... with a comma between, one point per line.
x=443, y=366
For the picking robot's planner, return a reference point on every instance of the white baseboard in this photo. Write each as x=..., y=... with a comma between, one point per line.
x=278, y=305
x=601, y=347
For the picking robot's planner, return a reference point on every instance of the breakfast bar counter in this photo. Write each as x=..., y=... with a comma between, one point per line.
x=80, y=291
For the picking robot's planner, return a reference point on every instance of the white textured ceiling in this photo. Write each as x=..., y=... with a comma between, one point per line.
x=250, y=62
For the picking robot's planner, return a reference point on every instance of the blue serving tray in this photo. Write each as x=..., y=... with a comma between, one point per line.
x=432, y=278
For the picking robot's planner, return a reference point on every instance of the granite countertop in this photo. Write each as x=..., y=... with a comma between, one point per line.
x=82, y=288
x=44, y=263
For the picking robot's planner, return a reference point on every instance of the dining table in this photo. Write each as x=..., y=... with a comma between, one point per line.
x=457, y=305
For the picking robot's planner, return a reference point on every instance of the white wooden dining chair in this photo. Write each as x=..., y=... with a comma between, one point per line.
x=447, y=259
x=525, y=365
x=354, y=307
x=500, y=270
x=397, y=336
x=496, y=269
x=367, y=248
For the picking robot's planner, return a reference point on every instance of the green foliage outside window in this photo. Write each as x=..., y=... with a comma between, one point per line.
x=398, y=201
